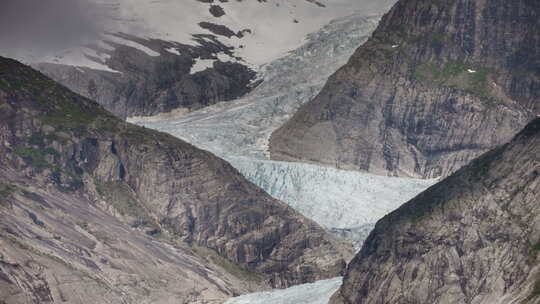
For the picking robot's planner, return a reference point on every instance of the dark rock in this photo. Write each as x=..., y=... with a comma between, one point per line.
x=147, y=85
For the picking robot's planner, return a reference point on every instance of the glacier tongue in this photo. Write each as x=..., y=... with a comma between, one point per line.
x=314, y=293
x=347, y=203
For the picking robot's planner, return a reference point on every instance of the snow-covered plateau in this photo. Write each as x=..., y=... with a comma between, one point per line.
x=257, y=31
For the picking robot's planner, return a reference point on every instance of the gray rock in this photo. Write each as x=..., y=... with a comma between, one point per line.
x=86, y=164
x=472, y=238
x=436, y=85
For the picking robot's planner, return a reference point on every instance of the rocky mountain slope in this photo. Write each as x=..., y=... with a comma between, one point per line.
x=437, y=84
x=472, y=238
x=159, y=56
x=346, y=203
x=138, y=199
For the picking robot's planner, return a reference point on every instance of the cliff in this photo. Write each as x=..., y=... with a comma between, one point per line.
x=436, y=85
x=472, y=238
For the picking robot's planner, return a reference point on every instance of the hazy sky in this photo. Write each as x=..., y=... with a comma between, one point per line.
x=45, y=26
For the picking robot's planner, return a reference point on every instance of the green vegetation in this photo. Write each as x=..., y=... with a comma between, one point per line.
x=536, y=290
x=37, y=158
x=123, y=199
x=6, y=190
x=536, y=248
x=67, y=112
x=458, y=75
x=533, y=253
x=230, y=267
x=41, y=139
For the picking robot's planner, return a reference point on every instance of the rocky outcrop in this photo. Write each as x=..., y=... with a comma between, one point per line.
x=149, y=183
x=436, y=85
x=472, y=238
x=146, y=84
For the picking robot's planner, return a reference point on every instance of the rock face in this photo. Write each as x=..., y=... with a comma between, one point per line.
x=436, y=85
x=472, y=238
x=147, y=84
x=140, y=199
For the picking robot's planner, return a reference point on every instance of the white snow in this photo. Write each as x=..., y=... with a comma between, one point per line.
x=312, y=293
x=130, y=43
x=80, y=56
x=201, y=65
x=273, y=30
x=395, y=46
x=471, y=71
x=173, y=51
x=333, y=198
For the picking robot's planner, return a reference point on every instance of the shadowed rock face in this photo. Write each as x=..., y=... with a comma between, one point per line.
x=472, y=238
x=436, y=85
x=146, y=85
x=146, y=190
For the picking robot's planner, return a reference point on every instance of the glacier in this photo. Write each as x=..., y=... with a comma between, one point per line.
x=270, y=28
x=243, y=127
x=312, y=293
x=347, y=203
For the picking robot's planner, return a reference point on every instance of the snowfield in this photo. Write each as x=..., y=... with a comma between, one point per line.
x=270, y=29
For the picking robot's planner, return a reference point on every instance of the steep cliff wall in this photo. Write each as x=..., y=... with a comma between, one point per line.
x=436, y=85
x=472, y=238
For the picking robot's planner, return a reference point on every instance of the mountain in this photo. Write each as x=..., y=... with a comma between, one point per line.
x=472, y=238
x=288, y=82
x=96, y=209
x=346, y=203
x=436, y=85
x=161, y=56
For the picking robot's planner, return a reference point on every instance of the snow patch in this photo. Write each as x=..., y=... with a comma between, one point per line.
x=269, y=28
x=471, y=71
x=173, y=51
x=130, y=43
x=81, y=57
x=201, y=65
